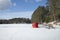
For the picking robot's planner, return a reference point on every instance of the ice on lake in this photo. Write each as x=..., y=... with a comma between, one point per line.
x=26, y=32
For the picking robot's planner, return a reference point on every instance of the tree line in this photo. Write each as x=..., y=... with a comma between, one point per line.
x=47, y=14
x=15, y=20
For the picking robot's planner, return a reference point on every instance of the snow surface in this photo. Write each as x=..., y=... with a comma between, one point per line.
x=26, y=32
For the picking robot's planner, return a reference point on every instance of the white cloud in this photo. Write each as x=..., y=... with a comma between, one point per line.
x=38, y=0
x=14, y=4
x=26, y=0
x=33, y=0
x=4, y=4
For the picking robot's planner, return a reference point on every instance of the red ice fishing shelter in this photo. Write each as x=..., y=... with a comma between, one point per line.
x=35, y=25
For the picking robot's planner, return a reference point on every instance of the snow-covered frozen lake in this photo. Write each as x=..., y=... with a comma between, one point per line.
x=26, y=32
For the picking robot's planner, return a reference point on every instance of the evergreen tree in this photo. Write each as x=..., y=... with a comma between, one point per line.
x=38, y=15
x=54, y=6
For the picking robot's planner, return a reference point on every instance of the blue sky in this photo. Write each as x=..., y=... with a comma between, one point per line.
x=19, y=8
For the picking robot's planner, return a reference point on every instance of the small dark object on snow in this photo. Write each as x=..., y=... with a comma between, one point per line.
x=50, y=26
